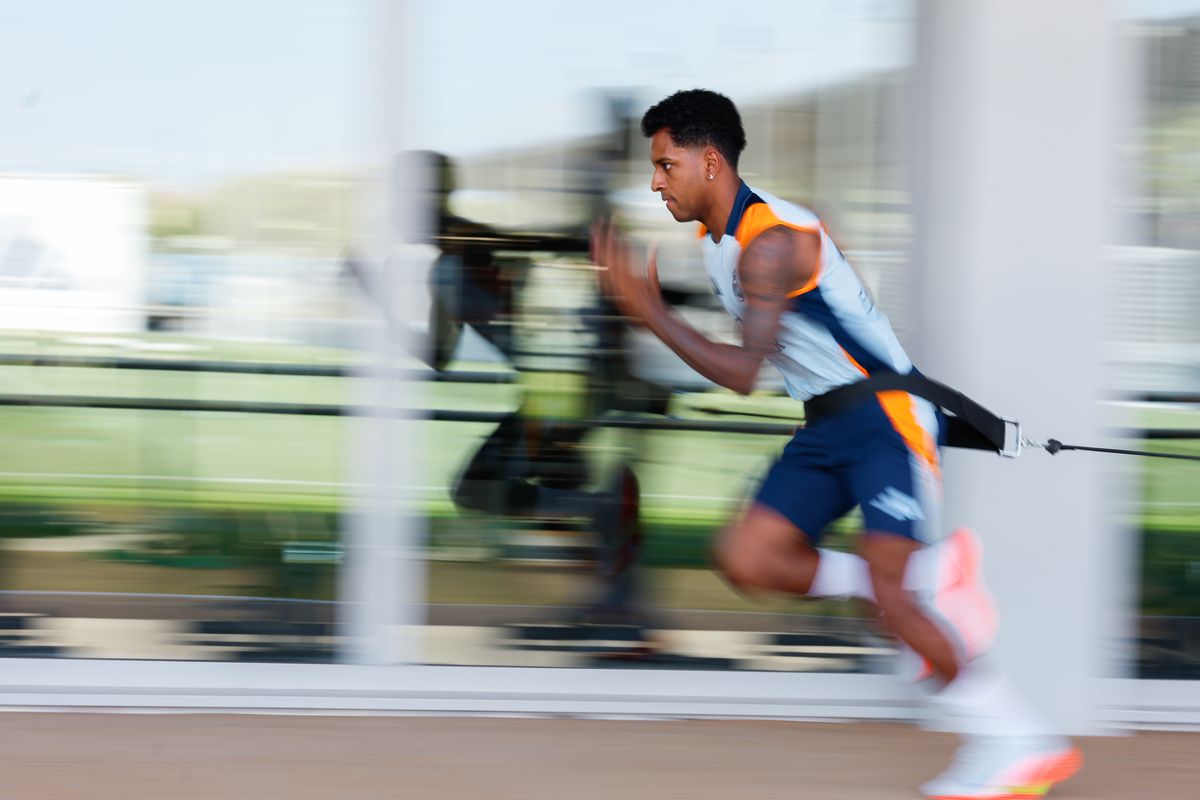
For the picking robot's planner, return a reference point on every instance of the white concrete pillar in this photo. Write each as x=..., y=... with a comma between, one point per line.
x=1015, y=107
x=381, y=589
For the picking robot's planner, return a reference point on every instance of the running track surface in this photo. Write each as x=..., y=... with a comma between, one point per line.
x=107, y=756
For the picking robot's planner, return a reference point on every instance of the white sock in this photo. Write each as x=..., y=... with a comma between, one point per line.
x=841, y=575
x=982, y=702
x=846, y=575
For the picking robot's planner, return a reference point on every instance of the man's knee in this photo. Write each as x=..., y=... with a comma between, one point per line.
x=887, y=557
x=751, y=553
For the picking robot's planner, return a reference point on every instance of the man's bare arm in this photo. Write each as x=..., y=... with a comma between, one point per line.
x=776, y=263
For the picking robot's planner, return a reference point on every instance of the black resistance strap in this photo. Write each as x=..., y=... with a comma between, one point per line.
x=1054, y=445
x=971, y=426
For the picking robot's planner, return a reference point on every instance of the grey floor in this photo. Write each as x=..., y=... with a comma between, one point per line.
x=113, y=756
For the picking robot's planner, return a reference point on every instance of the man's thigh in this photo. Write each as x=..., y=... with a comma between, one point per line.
x=899, y=491
x=807, y=494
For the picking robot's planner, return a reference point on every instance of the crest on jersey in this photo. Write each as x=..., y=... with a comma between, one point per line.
x=737, y=287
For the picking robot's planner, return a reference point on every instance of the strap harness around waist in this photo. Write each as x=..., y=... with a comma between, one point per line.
x=969, y=424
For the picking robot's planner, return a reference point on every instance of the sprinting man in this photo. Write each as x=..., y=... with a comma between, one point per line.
x=801, y=307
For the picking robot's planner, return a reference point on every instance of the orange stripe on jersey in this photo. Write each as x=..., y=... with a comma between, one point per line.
x=700, y=234
x=854, y=361
x=898, y=405
x=758, y=218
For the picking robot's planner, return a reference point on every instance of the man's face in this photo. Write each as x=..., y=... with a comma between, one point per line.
x=679, y=177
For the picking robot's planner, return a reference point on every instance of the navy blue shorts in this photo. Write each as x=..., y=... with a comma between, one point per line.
x=880, y=455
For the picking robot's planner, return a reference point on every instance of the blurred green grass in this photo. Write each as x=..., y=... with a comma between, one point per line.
x=268, y=478
x=301, y=462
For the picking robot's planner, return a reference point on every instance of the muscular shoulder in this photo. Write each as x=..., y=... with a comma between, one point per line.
x=779, y=260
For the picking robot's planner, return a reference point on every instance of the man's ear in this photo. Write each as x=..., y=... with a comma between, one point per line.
x=713, y=163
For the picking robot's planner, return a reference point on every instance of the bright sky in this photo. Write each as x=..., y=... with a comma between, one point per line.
x=186, y=92
x=527, y=81
x=180, y=90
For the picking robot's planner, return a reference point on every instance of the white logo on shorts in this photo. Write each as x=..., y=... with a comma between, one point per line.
x=896, y=503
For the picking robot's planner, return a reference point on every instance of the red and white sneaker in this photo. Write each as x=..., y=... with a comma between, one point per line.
x=1006, y=768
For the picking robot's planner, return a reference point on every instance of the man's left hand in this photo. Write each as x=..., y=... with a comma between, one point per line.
x=632, y=286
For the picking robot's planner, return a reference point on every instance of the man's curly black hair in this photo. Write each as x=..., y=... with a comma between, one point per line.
x=699, y=118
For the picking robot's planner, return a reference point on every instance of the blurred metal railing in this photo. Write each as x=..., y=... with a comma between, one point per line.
x=781, y=428
x=243, y=368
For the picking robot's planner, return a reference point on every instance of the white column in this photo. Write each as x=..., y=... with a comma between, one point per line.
x=382, y=579
x=1016, y=106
